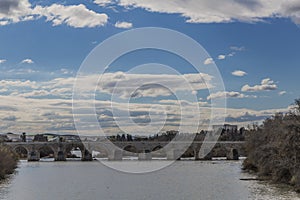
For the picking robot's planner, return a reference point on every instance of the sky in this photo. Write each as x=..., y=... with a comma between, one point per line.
x=254, y=44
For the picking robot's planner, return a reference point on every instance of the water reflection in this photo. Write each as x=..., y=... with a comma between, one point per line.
x=183, y=180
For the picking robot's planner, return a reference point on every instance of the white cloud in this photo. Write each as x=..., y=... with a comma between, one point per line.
x=226, y=94
x=215, y=11
x=281, y=93
x=239, y=73
x=208, y=61
x=124, y=25
x=2, y=90
x=35, y=93
x=266, y=85
x=235, y=48
x=151, y=85
x=13, y=11
x=28, y=61
x=221, y=57
x=77, y=16
x=195, y=11
x=37, y=115
x=66, y=71
x=291, y=9
x=2, y=61
x=3, y=23
x=18, y=83
x=118, y=83
x=206, y=11
x=231, y=54
x=102, y=2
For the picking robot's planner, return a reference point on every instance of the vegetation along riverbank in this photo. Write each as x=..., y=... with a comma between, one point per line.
x=8, y=161
x=274, y=148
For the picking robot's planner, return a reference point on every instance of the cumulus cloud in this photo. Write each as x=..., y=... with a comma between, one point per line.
x=266, y=85
x=215, y=11
x=291, y=9
x=78, y=16
x=239, y=73
x=221, y=57
x=194, y=11
x=226, y=94
x=2, y=61
x=124, y=25
x=28, y=61
x=208, y=61
x=13, y=11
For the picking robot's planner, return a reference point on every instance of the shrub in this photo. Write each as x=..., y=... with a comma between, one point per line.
x=274, y=148
x=8, y=161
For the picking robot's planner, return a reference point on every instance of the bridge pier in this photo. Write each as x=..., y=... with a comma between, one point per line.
x=146, y=155
x=86, y=156
x=60, y=156
x=115, y=155
x=33, y=156
x=173, y=154
x=205, y=155
x=232, y=154
x=196, y=154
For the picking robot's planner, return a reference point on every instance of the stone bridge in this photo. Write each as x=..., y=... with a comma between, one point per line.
x=144, y=150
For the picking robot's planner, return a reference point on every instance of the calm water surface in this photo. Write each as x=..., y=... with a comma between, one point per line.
x=184, y=180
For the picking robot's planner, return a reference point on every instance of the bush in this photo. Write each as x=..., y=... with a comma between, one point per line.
x=8, y=161
x=274, y=148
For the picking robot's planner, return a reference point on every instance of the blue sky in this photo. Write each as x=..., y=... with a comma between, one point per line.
x=43, y=44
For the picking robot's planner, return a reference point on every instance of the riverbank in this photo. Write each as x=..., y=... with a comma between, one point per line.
x=274, y=149
x=8, y=161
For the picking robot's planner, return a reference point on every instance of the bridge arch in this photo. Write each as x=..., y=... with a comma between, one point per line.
x=157, y=148
x=101, y=152
x=46, y=151
x=130, y=148
x=74, y=147
x=21, y=151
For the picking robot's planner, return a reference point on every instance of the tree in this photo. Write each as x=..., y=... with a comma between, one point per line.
x=297, y=105
x=274, y=147
x=23, y=137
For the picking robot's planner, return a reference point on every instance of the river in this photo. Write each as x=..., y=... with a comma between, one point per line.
x=184, y=180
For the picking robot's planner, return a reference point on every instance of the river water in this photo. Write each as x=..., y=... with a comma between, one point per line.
x=184, y=180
